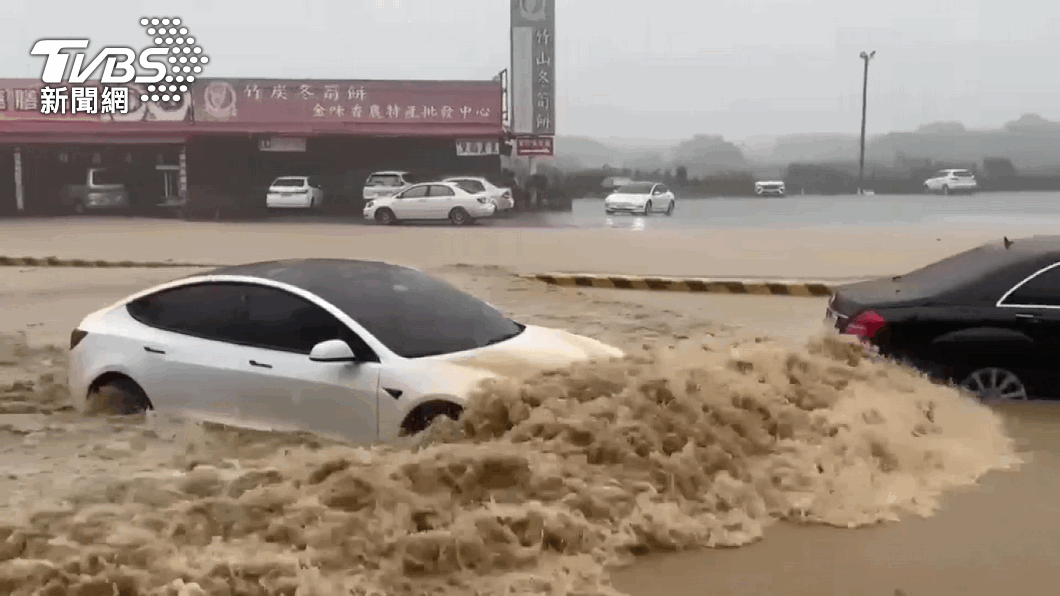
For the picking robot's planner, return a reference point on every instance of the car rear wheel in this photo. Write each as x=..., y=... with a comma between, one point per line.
x=945, y=189
x=993, y=383
x=385, y=217
x=79, y=207
x=459, y=217
x=670, y=208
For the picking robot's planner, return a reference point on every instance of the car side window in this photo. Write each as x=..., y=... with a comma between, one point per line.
x=438, y=190
x=279, y=320
x=214, y=311
x=1041, y=290
x=663, y=189
x=416, y=192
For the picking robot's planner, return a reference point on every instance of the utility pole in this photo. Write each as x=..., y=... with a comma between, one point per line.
x=866, y=56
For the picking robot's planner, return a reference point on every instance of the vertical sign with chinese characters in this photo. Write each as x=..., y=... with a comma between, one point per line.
x=533, y=71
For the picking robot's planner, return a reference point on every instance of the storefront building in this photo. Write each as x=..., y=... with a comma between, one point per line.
x=221, y=143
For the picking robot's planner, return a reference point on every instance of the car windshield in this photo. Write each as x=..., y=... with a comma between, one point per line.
x=640, y=188
x=416, y=315
x=383, y=180
x=288, y=182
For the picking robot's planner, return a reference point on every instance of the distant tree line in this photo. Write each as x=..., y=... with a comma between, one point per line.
x=907, y=177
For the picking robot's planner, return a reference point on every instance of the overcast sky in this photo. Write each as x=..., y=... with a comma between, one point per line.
x=663, y=69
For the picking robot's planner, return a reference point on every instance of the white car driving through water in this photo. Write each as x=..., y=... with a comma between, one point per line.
x=951, y=181
x=355, y=349
x=642, y=198
x=431, y=201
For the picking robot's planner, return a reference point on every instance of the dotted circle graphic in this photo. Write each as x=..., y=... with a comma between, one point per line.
x=168, y=34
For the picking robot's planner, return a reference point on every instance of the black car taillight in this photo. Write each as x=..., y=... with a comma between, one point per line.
x=865, y=325
x=76, y=336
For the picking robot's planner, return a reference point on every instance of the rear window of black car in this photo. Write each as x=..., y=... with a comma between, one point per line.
x=964, y=268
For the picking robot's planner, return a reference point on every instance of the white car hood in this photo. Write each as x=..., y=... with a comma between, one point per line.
x=534, y=350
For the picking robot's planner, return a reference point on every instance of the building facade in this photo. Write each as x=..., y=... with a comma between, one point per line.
x=221, y=142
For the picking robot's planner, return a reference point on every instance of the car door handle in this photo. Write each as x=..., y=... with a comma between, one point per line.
x=1027, y=317
x=260, y=364
x=153, y=350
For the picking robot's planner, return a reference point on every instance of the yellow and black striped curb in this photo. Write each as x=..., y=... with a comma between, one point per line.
x=57, y=262
x=767, y=287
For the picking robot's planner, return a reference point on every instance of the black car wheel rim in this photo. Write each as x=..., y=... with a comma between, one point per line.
x=995, y=384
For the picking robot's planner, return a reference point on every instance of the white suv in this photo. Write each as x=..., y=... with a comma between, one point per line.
x=386, y=184
x=951, y=181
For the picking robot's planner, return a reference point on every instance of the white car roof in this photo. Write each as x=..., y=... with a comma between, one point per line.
x=388, y=173
x=452, y=185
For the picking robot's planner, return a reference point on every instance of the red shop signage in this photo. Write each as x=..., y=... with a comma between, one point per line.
x=337, y=103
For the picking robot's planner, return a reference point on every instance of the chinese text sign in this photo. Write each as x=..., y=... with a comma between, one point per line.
x=533, y=70
x=340, y=102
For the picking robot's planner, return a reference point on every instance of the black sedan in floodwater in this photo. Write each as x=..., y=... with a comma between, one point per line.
x=987, y=319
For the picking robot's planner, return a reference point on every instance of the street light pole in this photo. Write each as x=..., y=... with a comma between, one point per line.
x=866, y=56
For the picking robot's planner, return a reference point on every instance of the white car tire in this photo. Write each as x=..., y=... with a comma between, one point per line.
x=385, y=217
x=460, y=217
x=670, y=209
x=647, y=208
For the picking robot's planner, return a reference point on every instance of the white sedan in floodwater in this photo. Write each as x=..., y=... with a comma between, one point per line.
x=431, y=201
x=361, y=350
x=642, y=198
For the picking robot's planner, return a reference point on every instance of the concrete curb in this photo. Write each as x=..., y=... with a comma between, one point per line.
x=766, y=287
x=57, y=262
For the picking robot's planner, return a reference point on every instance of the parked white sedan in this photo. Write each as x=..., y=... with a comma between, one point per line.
x=473, y=184
x=642, y=198
x=294, y=192
x=354, y=349
x=431, y=201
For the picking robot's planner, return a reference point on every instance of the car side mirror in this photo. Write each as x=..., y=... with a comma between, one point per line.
x=332, y=350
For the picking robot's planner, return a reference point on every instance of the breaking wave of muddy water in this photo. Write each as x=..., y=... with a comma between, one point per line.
x=543, y=483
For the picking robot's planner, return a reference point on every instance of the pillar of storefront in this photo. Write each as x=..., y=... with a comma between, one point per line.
x=182, y=177
x=20, y=202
